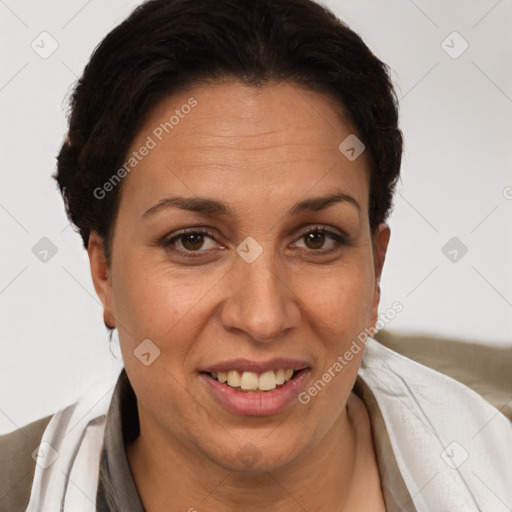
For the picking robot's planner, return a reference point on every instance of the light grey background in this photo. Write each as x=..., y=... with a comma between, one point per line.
x=457, y=182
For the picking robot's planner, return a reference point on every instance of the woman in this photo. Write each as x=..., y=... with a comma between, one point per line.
x=230, y=167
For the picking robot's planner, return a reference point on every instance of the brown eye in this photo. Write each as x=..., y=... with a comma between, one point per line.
x=321, y=240
x=314, y=240
x=192, y=241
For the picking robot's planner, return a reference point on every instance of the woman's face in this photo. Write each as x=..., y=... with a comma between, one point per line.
x=276, y=270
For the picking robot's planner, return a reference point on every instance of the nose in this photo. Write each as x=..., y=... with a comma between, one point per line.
x=260, y=302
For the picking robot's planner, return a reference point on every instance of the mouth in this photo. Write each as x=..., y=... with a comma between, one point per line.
x=256, y=392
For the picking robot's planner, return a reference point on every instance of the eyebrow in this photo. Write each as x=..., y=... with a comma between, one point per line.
x=212, y=207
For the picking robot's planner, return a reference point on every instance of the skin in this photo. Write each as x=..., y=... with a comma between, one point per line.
x=258, y=151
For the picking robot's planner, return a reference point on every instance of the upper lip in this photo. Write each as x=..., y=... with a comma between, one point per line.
x=248, y=365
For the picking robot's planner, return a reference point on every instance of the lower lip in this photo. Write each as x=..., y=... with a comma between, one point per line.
x=262, y=403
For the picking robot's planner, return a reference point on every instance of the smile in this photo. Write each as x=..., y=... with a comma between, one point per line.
x=251, y=381
x=250, y=393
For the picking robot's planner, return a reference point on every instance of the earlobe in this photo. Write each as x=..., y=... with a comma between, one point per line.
x=100, y=274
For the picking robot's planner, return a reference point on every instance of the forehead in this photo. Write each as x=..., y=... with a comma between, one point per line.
x=228, y=137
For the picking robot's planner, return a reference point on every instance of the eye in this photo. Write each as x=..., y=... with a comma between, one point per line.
x=192, y=241
x=321, y=239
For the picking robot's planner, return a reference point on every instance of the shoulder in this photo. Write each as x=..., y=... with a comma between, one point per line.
x=17, y=465
x=441, y=432
x=401, y=379
x=483, y=367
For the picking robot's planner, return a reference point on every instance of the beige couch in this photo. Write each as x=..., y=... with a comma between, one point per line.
x=486, y=369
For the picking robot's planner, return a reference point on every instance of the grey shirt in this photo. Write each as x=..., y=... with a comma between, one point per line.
x=117, y=491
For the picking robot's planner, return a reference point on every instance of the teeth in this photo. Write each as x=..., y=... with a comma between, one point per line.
x=250, y=381
x=267, y=381
x=233, y=379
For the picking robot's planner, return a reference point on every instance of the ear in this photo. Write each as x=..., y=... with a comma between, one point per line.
x=380, y=246
x=100, y=274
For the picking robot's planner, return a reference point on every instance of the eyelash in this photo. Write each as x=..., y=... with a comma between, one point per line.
x=340, y=240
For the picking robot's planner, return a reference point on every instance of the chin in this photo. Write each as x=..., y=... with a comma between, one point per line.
x=261, y=452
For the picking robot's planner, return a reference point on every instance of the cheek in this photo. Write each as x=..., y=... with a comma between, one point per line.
x=340, y=301
x=170, y=311
x=170, y=308
x=341, y=309
x=152, y=302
